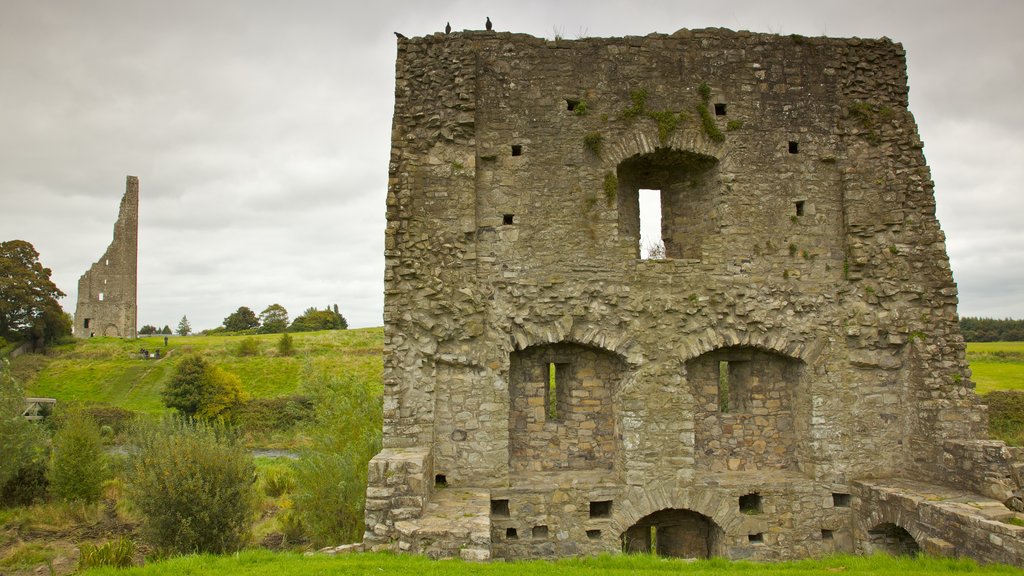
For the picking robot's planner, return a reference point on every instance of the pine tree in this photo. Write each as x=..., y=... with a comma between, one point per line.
x=184, y=328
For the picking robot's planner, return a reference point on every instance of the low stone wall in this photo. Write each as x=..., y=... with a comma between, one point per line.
x=398, y=487
x=988, y=467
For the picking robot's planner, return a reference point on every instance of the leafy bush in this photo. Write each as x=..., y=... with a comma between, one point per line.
x=285, y=346
x=1006, y=416
x=277, y=480
x=193, y=486
x=77, y=468
x=199, y=388
x=115, y=553
x=273, y=414
x=249, y=347
x=331, y=476
x=23, y=443
x=28, y=486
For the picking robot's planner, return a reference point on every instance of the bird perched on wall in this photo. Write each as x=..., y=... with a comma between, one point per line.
x=488, y=24
x=399, y=35
x=448, y=28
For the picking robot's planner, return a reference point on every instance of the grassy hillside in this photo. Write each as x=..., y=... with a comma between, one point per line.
x=996, y=365
x=110, y=371
x=259, y=563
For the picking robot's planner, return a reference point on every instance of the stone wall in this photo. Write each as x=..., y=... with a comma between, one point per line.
x=107, y=292
x=800, y=238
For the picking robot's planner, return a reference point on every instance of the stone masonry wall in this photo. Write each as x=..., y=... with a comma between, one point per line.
x=107, y=292
x=799, y=229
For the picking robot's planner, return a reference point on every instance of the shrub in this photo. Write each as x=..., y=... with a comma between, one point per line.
x=192, y=483
x=273, y=414
x=249, y=347
x=331, y=476
x=285, y=346
x=23, y=444
x=28, y=485
x=115, y=553
x=278, y=480
x=77, y=468
x=1006, y=416
x=199, y=388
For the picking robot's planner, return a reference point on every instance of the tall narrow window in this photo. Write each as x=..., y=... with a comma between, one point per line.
x=553, y=391
x=652, y=246
x=723, y=387
x=101, y=296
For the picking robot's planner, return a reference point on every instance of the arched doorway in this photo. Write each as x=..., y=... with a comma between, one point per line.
x=892, y=539
x=674, y=533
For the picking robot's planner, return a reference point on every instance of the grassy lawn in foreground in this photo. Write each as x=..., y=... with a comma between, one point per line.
x=996, y=365
x=259, y=563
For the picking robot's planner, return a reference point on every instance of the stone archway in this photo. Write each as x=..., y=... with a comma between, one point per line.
x=892, y=539
x=675, y=533
x=111, y=330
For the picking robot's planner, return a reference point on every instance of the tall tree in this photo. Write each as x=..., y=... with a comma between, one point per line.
x=313, y=319
x=28, y=298
x=242, y=319
x=184, y=328
x=274, y=319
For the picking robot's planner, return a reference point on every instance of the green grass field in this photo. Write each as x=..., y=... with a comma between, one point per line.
x=996, y=365
x=258, y=563
x=108, y=371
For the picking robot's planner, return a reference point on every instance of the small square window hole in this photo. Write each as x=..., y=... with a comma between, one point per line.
x=517, y=149
x=720, y=109
x=508, y=219
x=440, y=481
x=601, y=509
x=826, y=534
x=799, y=204
x=840, y=500
x=750, y=503
x=571, y=105
x=756, y=538
x=794, y=147
x=594, y=534
x=499, y=508
x=540, y=531
x=511, y=534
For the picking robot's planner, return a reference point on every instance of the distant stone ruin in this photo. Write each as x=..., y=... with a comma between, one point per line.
x=107, y=292
x=784, y=379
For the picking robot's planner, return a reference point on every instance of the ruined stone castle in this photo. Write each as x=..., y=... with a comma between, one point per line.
x=107, y=292
x=785, y=378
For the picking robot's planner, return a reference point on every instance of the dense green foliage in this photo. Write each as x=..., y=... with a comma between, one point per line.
x=28, y=298
x=249, y=347
x=23, y=442
x=115, y=553
x=77, y=461
x=184, y=328
x=202, y=389
x=313, y=319
x=286, y=345
x=331, y=476
x=261, y=562
x=147, y=330
x=1006, y=416
x=992, y=330
x=273, y=319
x=242, y=319
x=193, y=485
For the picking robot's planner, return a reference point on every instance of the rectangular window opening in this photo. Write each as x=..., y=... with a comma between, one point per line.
x=571, y=105
x=508, y=219
x=794, y=147
x=799, y=207
x=720, y=109
x=723, y=387
x=440, y=480
x=540, y=531
x=517, y=150
x=499, y=508
x=826, y=534
x=750, y=503
x=601, y=509
x=555, y=390
x=652, y=244
x=594, y=534
x=101, y=297
x=511, y=534
x=756, y=538
x=86, y=323
x=840, y=500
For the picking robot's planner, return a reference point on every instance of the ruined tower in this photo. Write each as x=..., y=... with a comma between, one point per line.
x=785, y=378
x=107, y=291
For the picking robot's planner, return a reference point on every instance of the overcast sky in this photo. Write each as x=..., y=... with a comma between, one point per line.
x=260, y=133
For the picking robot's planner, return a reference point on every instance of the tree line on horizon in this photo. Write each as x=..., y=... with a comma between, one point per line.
x=992, y=329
